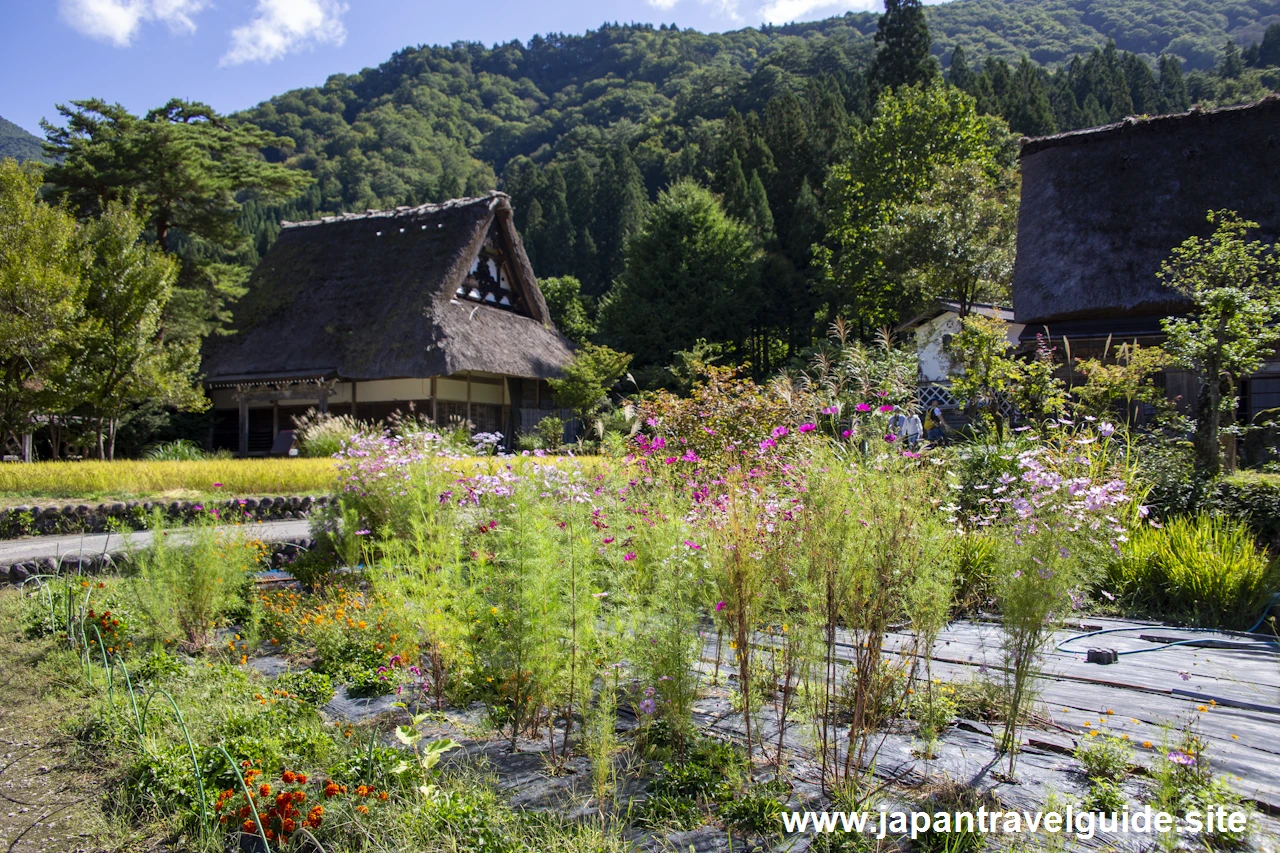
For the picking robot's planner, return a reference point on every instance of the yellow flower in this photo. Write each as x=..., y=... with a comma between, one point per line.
x=1235, y=737
x=1146, y=744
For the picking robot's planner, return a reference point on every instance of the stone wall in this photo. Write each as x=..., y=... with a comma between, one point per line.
x=69, y=518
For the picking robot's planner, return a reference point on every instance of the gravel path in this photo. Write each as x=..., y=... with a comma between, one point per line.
x=24, y=550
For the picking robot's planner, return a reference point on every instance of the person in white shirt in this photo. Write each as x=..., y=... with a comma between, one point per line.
x=912, y=429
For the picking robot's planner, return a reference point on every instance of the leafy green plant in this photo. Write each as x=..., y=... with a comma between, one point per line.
x=1104, y=758
x=308, y=686
x=178, y=450
x=321, y=434
x=1206, y=570
x=669, y=812
x=550, y=432
x=184, y=588
x=1105, y=795
x=755, y=811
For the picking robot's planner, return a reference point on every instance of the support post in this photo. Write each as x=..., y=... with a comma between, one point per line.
x=471, y=423
x=244, y=426
x=26, y=447
x=435, y=414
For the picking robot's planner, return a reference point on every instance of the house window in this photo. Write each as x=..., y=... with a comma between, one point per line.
x=489, y=281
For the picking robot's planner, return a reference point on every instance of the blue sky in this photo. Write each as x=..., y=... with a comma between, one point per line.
x=234, y=53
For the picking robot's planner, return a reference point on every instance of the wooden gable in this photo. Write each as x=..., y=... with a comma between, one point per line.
x=494, y=278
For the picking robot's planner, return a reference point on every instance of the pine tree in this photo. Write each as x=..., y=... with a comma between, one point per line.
x=1143, y=90
x=1173, y=86
x=1269, y=49
x=1231, y=66
x=1028, y=110
x=557, y=248
x=959, y=74
x=902, y=55
x=759, y=215
x=620, y=207
x=580, y=196
x=736, y=203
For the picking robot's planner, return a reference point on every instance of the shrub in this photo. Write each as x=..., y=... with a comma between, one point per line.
x=755, y=811
x=1104, y=758
x=179, y=450
x=313, y=688
x=322, y=434
x=1204, y=570
x=183, y=589
x=550, y=432
x=1254, y=499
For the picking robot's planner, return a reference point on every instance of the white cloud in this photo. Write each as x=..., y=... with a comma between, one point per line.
x=725, y=8
x=118, y=21
x=281, y=27
x=786, y=11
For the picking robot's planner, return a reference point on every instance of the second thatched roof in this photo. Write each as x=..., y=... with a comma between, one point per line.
x=380, y=295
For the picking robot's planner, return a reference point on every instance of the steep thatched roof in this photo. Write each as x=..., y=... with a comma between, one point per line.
x=375, y=296
x=1103, y=208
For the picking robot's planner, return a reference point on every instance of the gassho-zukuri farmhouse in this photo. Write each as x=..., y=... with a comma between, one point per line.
x=364, y=314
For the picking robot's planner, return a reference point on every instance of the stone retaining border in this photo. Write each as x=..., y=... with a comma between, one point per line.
x=283, y=552
x=60, y=518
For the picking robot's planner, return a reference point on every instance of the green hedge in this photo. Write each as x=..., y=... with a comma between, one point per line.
x=1253, y=498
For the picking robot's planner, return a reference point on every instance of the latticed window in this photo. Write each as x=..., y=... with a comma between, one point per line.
x=490, y=281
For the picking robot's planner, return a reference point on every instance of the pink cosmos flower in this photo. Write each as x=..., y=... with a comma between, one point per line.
x=846, y=433
x=1183, y=758
x=779, y=432
x=608, y=540
x=719, y=606
x=694, y=545
x=890, y=437
x=863, y=407
x=807, y=427
x=885, y=409
x=831, y=410
x=217, y=485
x=629, y=556
x=767, y=444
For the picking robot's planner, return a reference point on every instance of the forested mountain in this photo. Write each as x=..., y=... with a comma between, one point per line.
x=592, y=126
x=18, y=144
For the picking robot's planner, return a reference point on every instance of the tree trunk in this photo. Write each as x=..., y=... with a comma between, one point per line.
x=112, y=424
x=1208, y=428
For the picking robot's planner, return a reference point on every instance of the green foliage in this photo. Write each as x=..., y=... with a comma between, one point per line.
x=902, y=36
x=178, y=450
x=322, y=434
x=185, y=589
x=183, y=168
x=957, y=242
x=571, y=311
x=756, y=810
x=1122, y=384
x=986, y=370
x=308, y=686
x=122, y=356
x=1104, y=758
x=17, y=144
x=892, y=162
x=690, y=274
x=41, y=297
x=588, y=379
x=1252, y=498
x=1205, y=570
x=550, y=432
x=1232, y=285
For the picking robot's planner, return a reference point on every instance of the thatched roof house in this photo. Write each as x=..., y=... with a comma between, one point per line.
x=1102, y=208
x=434, y=305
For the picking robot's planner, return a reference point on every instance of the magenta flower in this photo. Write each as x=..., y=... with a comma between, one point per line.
x=890, y=437
x=719, y=606
x=217, y=485
x=767, y=444
x=1183, y=758
x=831, y=410
x=694, y=545
x=608, y=540
x=863, y=407
x=779, y=432
x=629, y=556
x=648, y=706
x=885, y=409
x=363, y=532
x=846, y=433
x=1106, y=429
x=807, y=427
